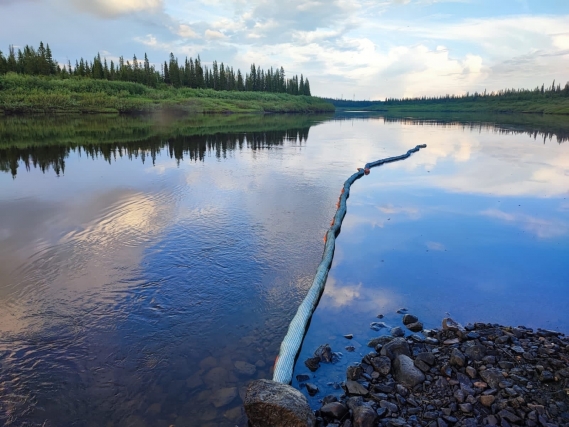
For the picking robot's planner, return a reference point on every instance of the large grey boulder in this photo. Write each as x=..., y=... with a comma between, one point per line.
x=405, y=372
x=272, y=404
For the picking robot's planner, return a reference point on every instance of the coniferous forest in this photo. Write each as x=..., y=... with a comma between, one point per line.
x=189, y=74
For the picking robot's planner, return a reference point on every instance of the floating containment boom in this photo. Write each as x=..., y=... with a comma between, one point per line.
x=297, y=328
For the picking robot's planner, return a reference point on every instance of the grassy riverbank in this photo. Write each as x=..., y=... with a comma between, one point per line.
x=31, y=94
x=553, y=100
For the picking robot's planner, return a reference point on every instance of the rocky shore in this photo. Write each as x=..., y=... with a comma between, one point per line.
x=476, y=375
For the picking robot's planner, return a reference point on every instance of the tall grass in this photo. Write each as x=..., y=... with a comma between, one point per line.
x=33, y=94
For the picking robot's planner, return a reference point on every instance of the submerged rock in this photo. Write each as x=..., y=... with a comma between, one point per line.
x=272, y=404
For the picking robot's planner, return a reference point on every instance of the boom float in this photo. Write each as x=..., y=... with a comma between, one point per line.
x=297, y=329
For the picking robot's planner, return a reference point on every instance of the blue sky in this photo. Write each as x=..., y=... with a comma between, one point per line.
x=370, y=49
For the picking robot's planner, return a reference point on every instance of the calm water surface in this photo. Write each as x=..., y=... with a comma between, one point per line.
x=143, y=260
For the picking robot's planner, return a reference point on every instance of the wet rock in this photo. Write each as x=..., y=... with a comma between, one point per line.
x=402, y=311
x=406, y=372
x=397, y=332
x=324, y=352
x=194, y=381
x=395, y=347
x=379, y=341
x=364, y=416
x=302, y=378
x=349, y=336
x=334, y=410
x=376, y=326
x=312, y=363
x=268, y=403
x=391, y=407
x=350, y=348
x=223, y=396
x=311, y=389
x=415, y=327
x=244, y=368
x=409, y=318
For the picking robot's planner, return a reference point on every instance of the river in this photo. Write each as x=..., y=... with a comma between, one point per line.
x=149, y=266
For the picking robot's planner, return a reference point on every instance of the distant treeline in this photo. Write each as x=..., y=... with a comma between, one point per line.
x=191, y=73
x=537, y=94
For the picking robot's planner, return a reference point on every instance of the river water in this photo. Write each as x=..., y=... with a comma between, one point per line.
x=149, y=266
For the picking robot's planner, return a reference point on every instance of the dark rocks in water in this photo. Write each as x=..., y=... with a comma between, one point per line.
x=268, y=403
x=301, y=378
x=311, y=389
x=409, y=318
x=324, y=352
x=380, y=316
x=312, y=363
x=405, y=372
x=349, y=336
x=376, y=326
x=397, y=332
x=415, y=327
x=350, y=348
x=402, y=311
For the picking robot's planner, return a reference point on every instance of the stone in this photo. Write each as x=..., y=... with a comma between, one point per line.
x=391, y=407
x=422, y=365
x=244, y=368
x=311, y=389
x=312, y=363
x=492, y=377
x=457, y=358
x=465, y=407
x=354, y=372
x=350, y=348
x=349, y=336
x=381, y=364
x=194, y=381
x=364, y=416
x=335, y=410
x=546, y=376
x=427, y=357
x=409, y=318
x=451, y=341
x=471, y=372
x=415, y=327
x=355, y=388
x=406, y=373
x=223, y=396
x=324, y=352
x=268, y=403
x=302, y=378
x=379, y=341
x=397, y=332
x=395, y=347
x=487, y=400
x=475, y=352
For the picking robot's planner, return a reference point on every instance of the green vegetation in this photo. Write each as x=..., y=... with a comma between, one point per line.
x=190, y=74
x=37, y=94
x=542, y=100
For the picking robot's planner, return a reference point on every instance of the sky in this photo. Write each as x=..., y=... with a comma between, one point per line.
x=351, y=49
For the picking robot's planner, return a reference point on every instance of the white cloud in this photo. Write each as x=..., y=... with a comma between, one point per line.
x=214, y=35
x=542, y=228
x=186, y=32
x=110, y=8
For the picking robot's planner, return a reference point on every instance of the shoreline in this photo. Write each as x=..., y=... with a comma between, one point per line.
x=479, y=374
